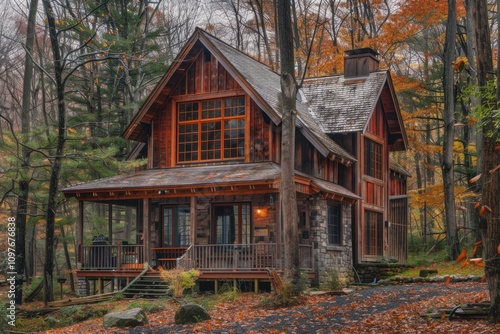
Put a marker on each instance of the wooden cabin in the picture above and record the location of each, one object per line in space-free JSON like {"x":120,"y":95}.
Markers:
{"x":209,"y":196}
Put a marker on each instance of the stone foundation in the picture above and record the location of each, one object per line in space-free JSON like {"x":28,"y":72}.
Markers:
{"x":374,"y":272}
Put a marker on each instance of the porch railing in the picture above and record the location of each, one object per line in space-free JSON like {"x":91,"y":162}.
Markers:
{"x":247,"y":257}
{"x":112,"y":257}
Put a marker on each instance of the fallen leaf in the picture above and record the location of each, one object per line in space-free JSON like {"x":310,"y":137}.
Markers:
{"x":476,"y":205}
{"x":462,"y":256}
{"x":498,"y":249}
{"x":483,"y":279}
{"x":475,"y":178}
{"x":447,"y":280}
{"x":494,"y":169}
{"x":465,"y":263}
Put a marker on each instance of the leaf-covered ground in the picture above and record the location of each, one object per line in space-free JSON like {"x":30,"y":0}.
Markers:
{"x":381,"y":309}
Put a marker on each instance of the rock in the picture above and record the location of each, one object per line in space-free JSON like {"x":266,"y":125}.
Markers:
{"x":129,"y":318}
{"x":190,"y":313}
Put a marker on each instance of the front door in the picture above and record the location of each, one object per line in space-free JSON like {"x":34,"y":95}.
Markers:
{"x":232,"y":223}
{"x":176,"y":226}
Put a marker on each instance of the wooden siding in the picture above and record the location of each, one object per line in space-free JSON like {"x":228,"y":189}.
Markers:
{"x":374,"y":190}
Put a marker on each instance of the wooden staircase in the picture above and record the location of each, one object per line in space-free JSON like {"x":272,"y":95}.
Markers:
{"x":149,"y":285}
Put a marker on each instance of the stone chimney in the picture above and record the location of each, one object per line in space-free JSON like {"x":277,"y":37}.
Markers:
{"x":360,"y":62}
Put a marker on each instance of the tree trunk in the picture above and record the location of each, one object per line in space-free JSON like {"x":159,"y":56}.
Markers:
{"x":57,"y":157}
{"x":288,"y":103}
{"x":490,"y":182}
{"x":449,"y":131}
{"x":23,"y":196}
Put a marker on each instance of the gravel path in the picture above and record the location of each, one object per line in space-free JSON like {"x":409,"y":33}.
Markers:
{"x":328,"y":314}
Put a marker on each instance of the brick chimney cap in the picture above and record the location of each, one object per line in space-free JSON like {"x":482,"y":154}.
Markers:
{"x":362,"y":51}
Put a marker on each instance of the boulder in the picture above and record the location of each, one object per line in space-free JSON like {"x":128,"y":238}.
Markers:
{"x":129,"y":318}
{"x":190,"y":313}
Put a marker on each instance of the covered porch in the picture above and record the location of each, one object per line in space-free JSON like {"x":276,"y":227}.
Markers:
{"x":222,"y":220}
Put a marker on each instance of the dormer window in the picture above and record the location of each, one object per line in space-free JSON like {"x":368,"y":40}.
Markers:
{"x":211,"y":130}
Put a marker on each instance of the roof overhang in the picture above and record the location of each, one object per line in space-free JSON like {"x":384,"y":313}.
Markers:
{"x":256,"y":178}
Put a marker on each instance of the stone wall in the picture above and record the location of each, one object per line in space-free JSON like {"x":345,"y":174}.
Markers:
{"x":330,"y":259}
{"x":374,"y":272}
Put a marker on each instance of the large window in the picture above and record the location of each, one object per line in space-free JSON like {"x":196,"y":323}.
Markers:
{"x":373,"y":233}
{"x":334,"y":225}
{"x":176,"y":226}
{"x":232,"y":224}
{"x":373,"y":159}
{"x":211,"y":130}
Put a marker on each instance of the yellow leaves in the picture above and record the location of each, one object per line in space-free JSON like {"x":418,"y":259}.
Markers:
{"x":71,"y":130}
{"x":462,"y":256}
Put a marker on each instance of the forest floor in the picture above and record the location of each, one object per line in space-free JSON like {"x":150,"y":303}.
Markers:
{"x":377,"y":309}
{"x":393,"y":308}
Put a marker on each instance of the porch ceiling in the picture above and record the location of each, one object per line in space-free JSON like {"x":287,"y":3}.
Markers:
{"x":237,"y":179}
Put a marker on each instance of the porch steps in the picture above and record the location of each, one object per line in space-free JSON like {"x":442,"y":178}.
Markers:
{"x":147,"y":286}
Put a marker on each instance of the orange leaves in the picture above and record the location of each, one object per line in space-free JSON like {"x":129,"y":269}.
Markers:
{"x":475,"y":178}
{"x":495,"y":169}
{"x":462,"y":256}
{"x":460,"y":63}
{"x":476,"y":205}
{"x":464,"y":264}
{"x":474,"y":250}
{"x":483,"y":279}
{"x":484,"y":208}
{"x":447,"y":280}
{"x":498,"y":249}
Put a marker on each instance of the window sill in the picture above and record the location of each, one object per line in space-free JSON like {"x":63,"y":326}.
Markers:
{"x":335,"y":248}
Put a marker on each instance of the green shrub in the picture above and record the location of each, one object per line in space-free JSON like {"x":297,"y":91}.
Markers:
{"x":333,"y":281}
{"x":180,"y":280}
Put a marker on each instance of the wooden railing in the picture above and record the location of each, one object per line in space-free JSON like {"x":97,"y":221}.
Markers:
{"x":247,"y":257}
{"x":112,"y":257}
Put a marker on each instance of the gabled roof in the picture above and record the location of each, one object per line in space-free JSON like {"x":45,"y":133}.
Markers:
{"x":343,"y":105}
{"x":257,"y":79}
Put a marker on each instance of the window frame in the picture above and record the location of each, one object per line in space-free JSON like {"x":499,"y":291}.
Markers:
{"x":373,"y":245}
{"x":373,"y":154}
{"x":238,"y":230}
{"x":176,"y":239}
{"x":231,"y":122}
{"x":334,"y":224}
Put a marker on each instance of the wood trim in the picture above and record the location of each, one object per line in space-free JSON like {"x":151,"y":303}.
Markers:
{"x":173,"y":136}
{"x":208,"y":96}
{"x":248,"y":117}
{"x":145,"y":228}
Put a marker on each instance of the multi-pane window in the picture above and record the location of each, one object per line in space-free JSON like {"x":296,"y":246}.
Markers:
{"x":373,"y":159}
{"x":334,"y":225}
{"x":211,"y":130}
{"x":232,"y":224}
{"x":373,"y":233}
{"x":176,"y":226}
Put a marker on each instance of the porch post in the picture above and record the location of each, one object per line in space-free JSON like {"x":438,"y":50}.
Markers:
{"x":279,"y":230}
{"x":80,"y":233}
{"x":192,"y":237}
{"x":145,"y":228}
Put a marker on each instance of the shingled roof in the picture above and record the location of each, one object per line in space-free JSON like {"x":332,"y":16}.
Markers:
{"x":344,"y":105}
